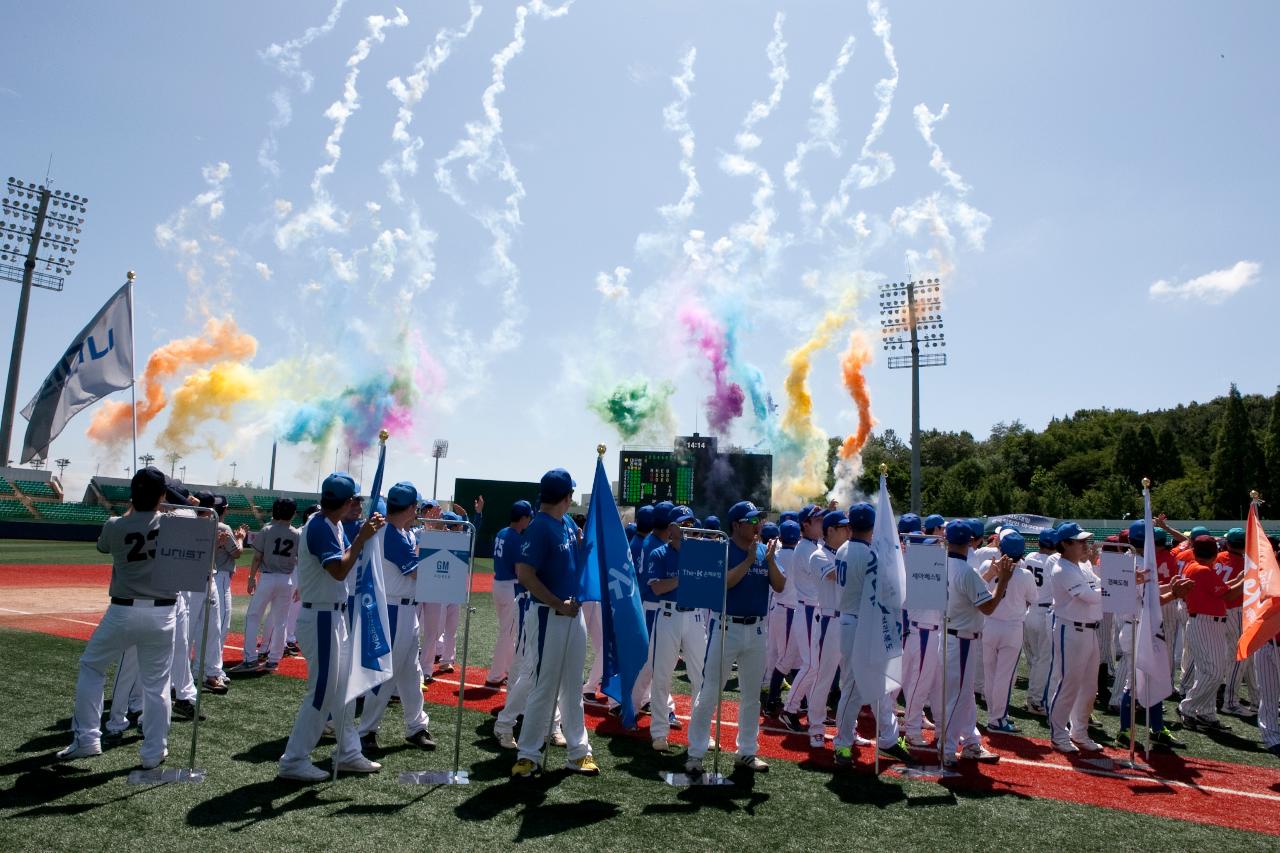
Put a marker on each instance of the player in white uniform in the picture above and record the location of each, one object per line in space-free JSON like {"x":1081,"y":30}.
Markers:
{"x":855,"y":563}
{"x":229,"y":546}
{"x":784,"y":653}
{"x":1077,"y":614}
{"x":984,"y":532}
{"x":806,"y":590}
{"x":139,"y":615}
{"x":1037,"y":639}
{"x":504,"y":597}
{"x":968,"y":603}
{"x":400,"y":575}
{"x":275,"y":552}
{"x":324,"y":563}
{"x":921,"y":649}
{"x":1002,"y":631}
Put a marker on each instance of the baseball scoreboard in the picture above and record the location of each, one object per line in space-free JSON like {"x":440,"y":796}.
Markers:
{"x":694,"y":473}
{"x":654,"y":475}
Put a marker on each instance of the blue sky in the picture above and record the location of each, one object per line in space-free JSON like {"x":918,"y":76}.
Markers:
{"x":1115,"y":149}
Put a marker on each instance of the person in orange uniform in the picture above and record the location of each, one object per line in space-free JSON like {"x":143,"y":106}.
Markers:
{"x":1207,"y":637}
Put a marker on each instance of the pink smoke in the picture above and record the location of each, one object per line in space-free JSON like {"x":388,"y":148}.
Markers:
{"x":708,"y":335}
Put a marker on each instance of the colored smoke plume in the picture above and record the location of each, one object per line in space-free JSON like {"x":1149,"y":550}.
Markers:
{"x":708,"y":336}
{"x":852,"y":364}
{"x":633,"y":407}
{"x":208,"y":395}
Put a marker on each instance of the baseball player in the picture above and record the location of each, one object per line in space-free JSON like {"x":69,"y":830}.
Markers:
{"x":749,"y":574}
{"x":1230,"y":565}
{"x":229,"y":546}
{"x":400,"y":565}
{"x":969,"y":602}
{"x":504,"y":592}
{"x":198,"y":602}
{"x":1182,"y":552}
{"x":434,"y":618}
{"x":921,"y":652}
{"x":1173,"y":613}
{"x":275,"y":553}
{"x":676,"y":632}
{"x":806,"y":592}
{"x":1266,"y":668}
{"x":1003,"y":629}
{"x":291,"y":649}
{"x":660,"y":519}
{"x":139,"y":615}
{"x":325,"y":562}
{"x":784,"y":652}
{"x":548,"y":568}
{"x":1037,"y":636}
{"x":1208,"y":634}
{"x":1077,"y":614}
{"x":856,"y":563}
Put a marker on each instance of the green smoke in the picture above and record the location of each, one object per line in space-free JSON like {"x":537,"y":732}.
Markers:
{"x":633,"y":406}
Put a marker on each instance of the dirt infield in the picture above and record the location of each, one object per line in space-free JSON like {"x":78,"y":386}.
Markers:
{"x":1178,"y":786}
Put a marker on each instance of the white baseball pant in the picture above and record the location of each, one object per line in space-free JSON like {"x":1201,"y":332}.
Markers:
{"x":431,"y":618}
{"x":448,"y":648}
{"x":591,"y":612}
{"x":406,"y":674}
{"x":846,"y":627}
{"x":560,"y":652}
{"x":1073,"y":681}
{"x":520,"y":683}
{"x":126,"y":692}
{"x":744,"y":644}
{"x":1209,"y":645}
{"x":214,"y":659}
{"x":199,"y":602}
{"x":180,"y":679}
{"x":1172,"y":619}
{"x":325,"y":642}
{"x":1001,"y":648}
{"x":150,"y":630}
{"x":640,"y":693}
{"x":784,"y":641}
{"x":272,"y":598}
{"x":921,"y":671}
{"x":675,"y":633}
{"x":1266,"y":668}
{"x":1239,"y":672}
{"x":825,"y":649}
{"x":961,"y":723}
{"x":808,"y":673}
{"x":504,"y":603}
{"x":1037,"y":645}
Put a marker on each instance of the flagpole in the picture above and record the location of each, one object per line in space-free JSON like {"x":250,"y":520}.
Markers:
{"x":133,"y":370}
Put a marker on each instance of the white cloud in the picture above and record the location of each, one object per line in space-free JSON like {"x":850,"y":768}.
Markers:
{"x":1212,"y":287}
{"x":263,"y":270}
{"x":613,"y":286}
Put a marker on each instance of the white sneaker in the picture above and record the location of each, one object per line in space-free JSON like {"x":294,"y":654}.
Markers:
{"x":660,"y":744}
{"x":1088,"y":744}
{"x":328,"y":728}
{"x":506,"y":740}
{"x":859,"y":740}
{"x":977,"y":752}
{"x":557,"y":738}
{"x":80,"y":750}
{"x":927,"y":724}
{"x":358,"y":764}
{"x":153,"y":763}
{"x":1065,"y":747}
{"x":918,"y":741}
{"x":817,"y":741}
{"x":302,"y":773}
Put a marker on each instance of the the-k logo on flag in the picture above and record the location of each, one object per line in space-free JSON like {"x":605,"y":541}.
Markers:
{"x":373,"y":638}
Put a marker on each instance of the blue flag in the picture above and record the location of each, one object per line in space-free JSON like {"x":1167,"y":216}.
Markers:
{"x":609,"y":576}
{"x":371,"y":650}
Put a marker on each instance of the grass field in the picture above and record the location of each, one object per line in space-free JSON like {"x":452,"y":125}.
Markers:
{"x":45,"y":804}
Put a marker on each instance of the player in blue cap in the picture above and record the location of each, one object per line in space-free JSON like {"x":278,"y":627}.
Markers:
{"x":548,"y":568}
{"x":1037,"y":640}
{"x":1077,"y":615}
{"x":784,"y":654}
{"x":750,"y":573}
{"x":325,"y":565}
{"x":932,"y":525}
{"x":506,"y":546}
{"x":659,"y":520}
{"x":909,"y":522}
{"x":711,"y":522}
{"x":400,"y":577}
{"x":1003,"y":629}
{"x":806,"y":590}
{"x":275,"y":552}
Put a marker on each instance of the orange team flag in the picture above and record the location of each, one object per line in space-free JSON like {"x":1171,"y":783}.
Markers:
{"x":1261,"y":611}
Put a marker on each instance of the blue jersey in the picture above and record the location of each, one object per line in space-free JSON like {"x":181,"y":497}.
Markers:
{"x":505,"y":550}
{"x":400,"y":549}
{"x":636,"y":544}
{"x":647,"y":547}
{"x":663,"y":564}
{"x":751,"y":596}
{"x":551,"y":548}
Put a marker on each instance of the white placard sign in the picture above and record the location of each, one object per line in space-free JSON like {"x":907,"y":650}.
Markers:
{"x":926,"y":576}
{"x":1119,"y":583}
{"x":444,"y":566}
{"x":184,"y":553}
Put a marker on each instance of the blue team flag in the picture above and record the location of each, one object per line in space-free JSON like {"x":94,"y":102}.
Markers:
{"x":371,"y":650}
{"x":609,"y":576}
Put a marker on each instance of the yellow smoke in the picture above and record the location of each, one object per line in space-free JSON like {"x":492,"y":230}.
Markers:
{"x":209,"y":395}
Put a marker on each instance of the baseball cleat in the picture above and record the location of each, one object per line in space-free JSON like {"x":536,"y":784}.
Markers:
{"x":80,"y":750}
{"x":674,"y":721}
{"x":1214,"y":725}
{"x":369,"y":742}
{"x":976,"y":752}
{"x":791,"y":721}
{"x":447,"y":668}
{"x":1035,"y":708}
{"x":644,"y":709}
{"x":303,"y":773}
{"x":1087,"y":744}
{"x":1004,"y":726}
{"x":185,"y":709}
{"x":493,"y":684}
{"x":859,"y":740}
{"x":660,"y":744}
{"x":897,"y":752}
{"x":918,"y":742}
{"x":585,"y":766}
{"x":1066,"y":747}
{"x":1164,"y":737}
{"x":949,"y":761}
{"x":358,"y":764}
{"x":421,"y":739}
{"x":153,"y":763}
{"x":248,"y":665}
{"x":843,"y":757}
{"x":525,"y":769}
{"x":693,"y":767}
{"x":752,"y":763}
{"x":506,"y":740}
{"x":271,"y":666}
{"x":817,"y":741}
{"x":292,"y":650}
{"x":557,"y":738}
{"x":927,"y":724}
{"x":215,"y":685}
{"x":132,"y":717}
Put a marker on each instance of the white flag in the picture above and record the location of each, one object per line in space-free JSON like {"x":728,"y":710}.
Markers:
{"x":877,"y":643}
{"x":370,"y":641}
{"x":98,"y":362}
{"x":1155,"y":683}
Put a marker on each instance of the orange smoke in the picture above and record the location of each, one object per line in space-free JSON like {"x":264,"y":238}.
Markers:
{"x":220,"y":340}
{"x":853,"y":361}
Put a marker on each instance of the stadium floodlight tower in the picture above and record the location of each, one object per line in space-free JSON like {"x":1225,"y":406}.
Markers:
{"x":439,"y":450}
{"x":38,"y":226}
{"x":911,"y":317}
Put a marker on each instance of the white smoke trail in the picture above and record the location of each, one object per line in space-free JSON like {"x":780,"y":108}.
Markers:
{"x":824,"y":124}
{"x":925,"y":121}
{"x":675,"y":117}
{"x":872,"y":167}
{"x":204,"y":257}
{"x":287,"y":58}
{"x":323,"y":214}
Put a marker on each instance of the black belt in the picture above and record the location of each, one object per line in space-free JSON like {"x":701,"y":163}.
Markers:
{"x":744,"y":620}
{"x":923,"y":626}
{"x":1207,"y":616}
{"x":324,"y":606}
{"x":1050,"y":604}
{"x":667,"y":605}
{"x":143,"y":602}
{"x":405,"y":602}
{"x":953,"y":632}
{"x":680,"y":609}
{"x":1090,"y":625}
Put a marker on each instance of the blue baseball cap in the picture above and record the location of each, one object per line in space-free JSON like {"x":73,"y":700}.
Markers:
{"x":681,"y":514}
{"x":1137,"y":533}
{"x":835,"y":518}
{"x":380,"y":507}
{"x":769,"y":531}
{"x":429,"y":503}
{"x":977,"y":526}
{"x":644,"y":519}
{"x":959,"y":532}
{"x":1048,"y":537}
{"x":789,"y":532}
{"x":711,"y":523}
{"x":450,"y":516}
{"x":862,"y":516}
{"x":789,"y":515}
{"x":662,"y":514}
{"x":631,"y":528}
{"x":932,"y":521}
{"x":339,"y":486}
{"x":807,"y":513}
{"x":402,"y":496}
{"x":1071,"y":530}
{"x":742,"y":511}
{"x":1198,"y":530}
{"x":1235,"y":537}
{"x":556,"y":485}
{"x":1012,"y":544}
{"x":521,"y":509}
{"x":909,"y":522}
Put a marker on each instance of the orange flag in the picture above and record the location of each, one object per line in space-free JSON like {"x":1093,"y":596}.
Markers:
{"x":1261,"y":611}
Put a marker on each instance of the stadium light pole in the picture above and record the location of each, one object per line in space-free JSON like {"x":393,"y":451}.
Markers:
{"x":439,"y":451}
{"x":911,"y":317}
{"x":37,"y":225}
{"x":62,"y":466}
{"x":233,"y":473}
{"x":146,"y":459}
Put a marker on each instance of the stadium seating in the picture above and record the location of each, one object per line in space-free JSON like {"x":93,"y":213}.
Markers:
{"x":36,"y":489}
{"x":264,"y":502}
{"x":14,"y":510}
{"x":235,"y":519}
{"x":5,"y":487}
{"x":73,"y":513}
{"x":236,"y":500}
{"x":115,"y":494}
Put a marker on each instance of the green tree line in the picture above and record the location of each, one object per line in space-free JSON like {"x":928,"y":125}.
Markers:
{"x":1203,"y":460}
